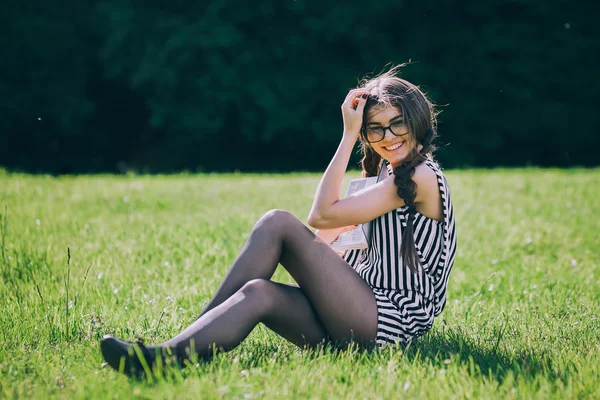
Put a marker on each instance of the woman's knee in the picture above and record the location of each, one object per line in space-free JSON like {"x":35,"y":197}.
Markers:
{"x":261,"y":293}
{"x":276,"y":222}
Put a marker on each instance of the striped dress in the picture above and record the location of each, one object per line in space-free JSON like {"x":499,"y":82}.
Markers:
{"x":407,"y":302}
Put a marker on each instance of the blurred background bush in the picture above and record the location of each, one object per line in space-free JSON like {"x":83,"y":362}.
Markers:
{"x":223,"y":85}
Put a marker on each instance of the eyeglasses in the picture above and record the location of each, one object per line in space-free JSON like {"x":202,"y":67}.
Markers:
{"x":377,"y":133}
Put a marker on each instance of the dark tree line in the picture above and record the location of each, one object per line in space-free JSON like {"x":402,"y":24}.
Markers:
{"x":254,"y":86}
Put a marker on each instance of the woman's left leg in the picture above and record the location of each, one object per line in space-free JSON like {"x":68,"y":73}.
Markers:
{"x":342,"y":301}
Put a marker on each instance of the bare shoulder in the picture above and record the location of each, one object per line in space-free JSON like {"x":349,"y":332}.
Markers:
{"x":427,"y":183}
{"x":425,"y":176}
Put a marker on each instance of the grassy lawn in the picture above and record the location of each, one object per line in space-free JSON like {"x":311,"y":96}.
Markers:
{"x":147,"y":252}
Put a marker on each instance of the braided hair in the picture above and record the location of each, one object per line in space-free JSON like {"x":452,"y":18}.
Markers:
{"x":388,"y":90}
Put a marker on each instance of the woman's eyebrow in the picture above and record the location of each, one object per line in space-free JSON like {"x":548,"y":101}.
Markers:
{"x":391,"y":120}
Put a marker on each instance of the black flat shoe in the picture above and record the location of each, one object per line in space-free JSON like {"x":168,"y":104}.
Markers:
{"x":115,"y":350}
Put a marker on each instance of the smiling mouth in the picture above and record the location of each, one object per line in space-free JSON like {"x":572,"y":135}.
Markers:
{"x":394,"y":147}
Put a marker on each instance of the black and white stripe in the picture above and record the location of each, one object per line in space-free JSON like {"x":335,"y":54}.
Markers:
{"x":408,"y":301}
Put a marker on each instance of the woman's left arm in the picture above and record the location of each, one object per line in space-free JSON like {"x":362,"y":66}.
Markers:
{"x":372,"y":202}
{"x":377,"y":200}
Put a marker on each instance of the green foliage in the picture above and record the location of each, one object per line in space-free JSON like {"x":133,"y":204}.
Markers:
{"x":44,"y":65}
{"x":521,"y":319}
{"x":218,"y":85}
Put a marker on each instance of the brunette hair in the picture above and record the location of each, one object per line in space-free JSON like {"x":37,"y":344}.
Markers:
{"x":386,"y":90}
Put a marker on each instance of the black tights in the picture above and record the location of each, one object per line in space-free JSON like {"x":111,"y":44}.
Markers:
{"x":332,"y":300}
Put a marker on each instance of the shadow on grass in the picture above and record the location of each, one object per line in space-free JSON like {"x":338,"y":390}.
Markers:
{"x":440,"y":348}
{"x":454,"y":346}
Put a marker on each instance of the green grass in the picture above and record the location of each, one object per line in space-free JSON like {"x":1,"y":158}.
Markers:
{"x":522,"y":319}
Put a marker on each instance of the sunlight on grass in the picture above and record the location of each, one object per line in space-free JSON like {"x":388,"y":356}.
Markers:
{"x":147,"y":252}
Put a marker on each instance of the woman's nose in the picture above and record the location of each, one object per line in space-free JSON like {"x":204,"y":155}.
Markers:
{"x":387,"y":133}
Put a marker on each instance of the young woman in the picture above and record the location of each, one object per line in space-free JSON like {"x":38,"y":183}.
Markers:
{"x":389,"y":293}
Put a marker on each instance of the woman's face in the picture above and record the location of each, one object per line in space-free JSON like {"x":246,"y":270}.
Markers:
{"x":393,"y":148}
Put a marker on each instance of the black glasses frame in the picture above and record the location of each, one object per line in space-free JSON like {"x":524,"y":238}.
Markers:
{"x":383,"y":136}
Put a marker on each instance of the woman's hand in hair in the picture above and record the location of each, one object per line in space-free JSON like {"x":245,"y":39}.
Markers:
{"x":329,"y":235}
{"x":352,"y":112}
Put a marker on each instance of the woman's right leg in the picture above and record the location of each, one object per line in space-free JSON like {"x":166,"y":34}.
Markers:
{"x":293,"y":317}
{"x":342,"y":300}
{"x":333,"y":295}
{"x":283,"y":308}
